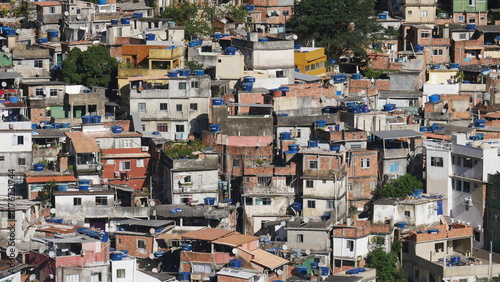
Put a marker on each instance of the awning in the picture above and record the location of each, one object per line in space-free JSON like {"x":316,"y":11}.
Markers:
{"x":267,"y":259}
{"x":394,"y":134}
{"x":235,"y":240}
{"x":85,"y":145}
{"x":44,"y":179}
{"x":474,"y":48}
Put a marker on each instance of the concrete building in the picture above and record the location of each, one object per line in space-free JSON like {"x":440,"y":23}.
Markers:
{"x":413,"y":211}
{"x":470,"y":12}
{"x":310,"y":60}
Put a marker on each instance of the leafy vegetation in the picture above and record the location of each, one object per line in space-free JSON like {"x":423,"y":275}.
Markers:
{"x":371,"y":73}
{"x":193,"y":65}
{"x":183,"y":150}
{"x":46,"y":194}
{"x":198,"y":18}
{"x":400,"y":187}
{"x":340,"y":26}
{"x":93,"y":67}
{"x":386,"y":264}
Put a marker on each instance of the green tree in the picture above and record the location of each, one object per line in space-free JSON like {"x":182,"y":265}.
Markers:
{"x":45,"y":196}
{"x":340,"y":26}
{"x":93,"y":67}
{"x":400,"y":187}
{"x":386,"y":264}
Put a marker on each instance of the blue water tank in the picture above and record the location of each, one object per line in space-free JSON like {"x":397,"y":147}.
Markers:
{"x":137,"y":15}
{"x":125,"y":252}
{"x":312,"y":143}
{"x":479,"y":122}
{"x":249,"y":7}
{"x":356,"y":76}
{"x":184,"y":72}
{"x":325,"y":271}
{"x":115,"y":256}
{"x":159,"y":254}
{"x":314,"y":265}
{"x":382,"y":16}
{"x":471,"y":26}
{"x":199,"y":72}
{"x":38,"y":167}
{"x":173,"y":73}
{"x":56,"y":125}
{"x":217,"y":35}
{"x":58,"y":220}
{"x":9,"y":32}
{"x":302,"y":270}
{"x":284,"y":89}
{"x":217,"y":101}
{"x":320,"y":123}
{"x":434,"y":98}
{"x":329,"y":110}
{"x":419,"y":48}
{"x":297,"y":206}
{"x":101,"y":2}
{"x":401,"y":224}
{"x":285,"y":136}
{"x":235,"y":263}
{"x":231,"y":51}
{"x":62,"y":188}
{"x":53,"y":33}
{"x":125,"y":20}
{"x":86,"y":119}
{"x":187,"y":247}
{"x":334,"y":148}
{"x":65,"y":125}
{"x":116,"y":129}
{"x":418,"y":192}
{"x":214,"y":127}
{"x":209,"y":201}
{"x":263,"y":39}
{"x":150,"y":36}
{"x":247,"y":86}
{"x":297,"y":46}
{"x":13,"y":99}
{"x":294,"y":147}
{"x":184,"y":276}
{"x":249,"y":79}
{"x":454,"y":66}
{"x":389,"y":107}
{"x":114,"y":22}
{"x":332,"y":61}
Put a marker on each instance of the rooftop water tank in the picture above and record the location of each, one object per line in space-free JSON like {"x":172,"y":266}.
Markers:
{"x":116,"y":129}
{"x":217,"y":101}
{"x":312,"y":143}
{"x":231,"y":51}
{"x":150,"y":36}
{"x":285,"y":136}
{"x":235,"y":263}
{"x":125,"y":20}
{"x":214,"y":127}
{"x":38,"y":167}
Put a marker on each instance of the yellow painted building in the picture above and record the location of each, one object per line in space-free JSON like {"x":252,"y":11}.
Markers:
{"x":310,"y":60}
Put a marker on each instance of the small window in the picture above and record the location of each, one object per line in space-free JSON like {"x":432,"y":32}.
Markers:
{"x":493,"y":194}
{"x":48,"y":113}
{"x":313,"y":164}
{"x":410,"y":13}
{"x":162,"y":127}
{"x":280,"y":74}
{"x":179,"y":128}
{"x":477,"y":236}
{"x":2,"y":158}
{"x":126,"y":143}
{"x":38,"y":64}
{"x":96,"y":277}
{"x":300,"y":238}
{"x":330,"y":204}
{"x":309,"y":184}
{"x":19,"y":140}
{"x":466,"y":186}
{"x":468,"y":162}
{"x":120,"y":273}
{"x":182,"y":86}
{"x":53,"y":92}
{"x":77,"y":201}
{"x":436,"y":161}
{"x":350,"y":245}
{"x":472,"y":20}
{"x":458,"y":161}
{"x":262,"y":201}
{"x":424,"y":34}
{"x":39,"y":92}
{"x":311,"y":204}
{"x":349,"y":186}
{"x":365,"y":163}
{"x":141,"y":244}
{"x":458,"y":185}
{"x":407,"y":213}
{"x":141,"y":107}
{"x":164,"y":107}
{"x":248,"y":201}
{"x":394,"y":167}
{"x":439,"y":247}
{"x":101,"y":201}
{"x":195,"y":84}
{"x":373,"y":184}
{"x":52,"y":10}
{"x":139,"y":163}
{"x":461,"y":19}
{"x":125,"y":165}
{"x":423,"y":13}
{"x":437,"y":52}
{"x":21,"y":161}
{"x":193,"y":106}
{"x":178,"y":107}
{"x":236,"y":162}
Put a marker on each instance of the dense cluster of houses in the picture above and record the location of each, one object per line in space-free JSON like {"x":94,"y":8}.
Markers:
{"x":261,"y":164}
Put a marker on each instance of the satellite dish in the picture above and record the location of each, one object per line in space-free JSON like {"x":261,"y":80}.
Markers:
{"x":295,"y":37}
{"x":154,"y":270}
{"x":66,"y":13}
{"x":362,"y":92}
{"x":234,"y":251}
{"x":99,"y":167}
{"x":73,"y":222}
{"x":152,"y":203}
{"x":32,"y":277}
{"x":181,"y":181}
{"x":238,"y":204}
{"x":283,"y":223}
{"x":151,"y":256}
{"x":152,"y":231}
{"x":284,"y":247}
{"x":42,"y":124}
{"x":479,"y":56}
{"x":52,"y":254}
{"x":78,"y":17}
{"x":42,"y":249}
{"x":4,"y":84}
{"x":306,"y":219}
{"x":279,"y":272}
{"x":105,"y":181}
{"x":270,"y":13}
{"x":52,"y":210}
{"x":308,"y":252}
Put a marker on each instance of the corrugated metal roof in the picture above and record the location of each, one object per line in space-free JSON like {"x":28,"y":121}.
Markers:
{"x":47,"y":133}
{"x":392,"y":134}
{"x":236,"y":273}
{"x":47,"y":3}
{"x":207,"y":234}
{"x":147,"y":223}
{"x":267,"y":259}
{"x":85,"y":145}
{"x":236,"y":240}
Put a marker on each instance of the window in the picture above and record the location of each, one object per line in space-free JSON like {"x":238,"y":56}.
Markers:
{"x":410,"y":12}
{"x":52,"y":10}
{"x":330,"y":204}
{"x":458,"y":160}
{"x":349,"y":186}
{"x":248,"y":201}
{"x":477,"y":236}
{"x":472,"y":2}
{"x":436,"y":161}
{"x":21,"y":161}
{"x":72,"y":278}
{"x":179,"y":128}
{"x":280,"y":74}
{"x":309,"y":184}
{"x":497,"y":218}
{"x":139,"y":163}
{"x":193,"y":106}
{"x":178,"y":107}
{"x":394,"y":167}
{"x":417,"y":274}
{"x":162,"y":127}
{"x":120,"y":273}
{"x":48,"y":113}
{"x":458,"y":185}
{"x":300,"y":238}
{"x":373,"y":184}
{"x":164,"y":107}
{"x":439,"y":247}
{"x":493,"y":194}
{"x":96,"y":277}
{"x":466,"y":186}
{"x":437,"y":52}
{"x":311,"y":204}
{"x":467,"y":162}
{"x":472,"y":20}
{"x":39,"y":92}
{"x":365,"y":163}
{"x":141,"y":244}
{"x":313,"y":164}
{"x":461,"y":19}
{"x":125,"y":165}
{"x":2,"y":158}
{"x":350,"y":245}
{"x":423,"y":14}
{"x":18,"y":140}
{"x":53,"y":92}
{"x":127,"y":143}
{"x":236,"y":162}
{"x":424,"y":34}
{"x":101,"y":201}
{"x":264,"y":181}
{"x":38,"y":64}
{"x":407,"y":213}
{"x":195,"y":84}
{"x":141,"y":107}
{"x":182,"y":86}
{"x":262,"y":201}
{"x":77,"y":201}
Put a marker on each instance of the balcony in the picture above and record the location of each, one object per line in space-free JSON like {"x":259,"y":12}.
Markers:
{"x":269,"y":190}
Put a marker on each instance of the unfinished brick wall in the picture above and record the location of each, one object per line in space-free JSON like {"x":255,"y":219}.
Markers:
{"x":129,"y":242}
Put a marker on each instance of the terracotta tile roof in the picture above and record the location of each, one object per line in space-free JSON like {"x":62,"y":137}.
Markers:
{"x":42,"y":179}
{"x":57,"y":228}
{"x":47,"y":3}
{"x":169,"y":236}
{"x":207,"y":234}
{"x":249,"y":141}
{"x":236,"y":240}
{"x":85,"y":145}
{"x":267,"y":259}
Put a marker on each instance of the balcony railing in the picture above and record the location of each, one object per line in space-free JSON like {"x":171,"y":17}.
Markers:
{"x":268,"y":190}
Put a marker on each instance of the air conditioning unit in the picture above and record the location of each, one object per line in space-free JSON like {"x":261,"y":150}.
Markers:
{"x":144,"y":148}
{"x":117,"y":174}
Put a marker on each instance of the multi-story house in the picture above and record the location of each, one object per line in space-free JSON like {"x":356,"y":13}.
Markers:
{"x":492,"y":213}
{"x":45,"y":100}
{"x":32,"y":61}
{"x":310,"y":60}
{"x":470,"y":12}
{"x":48,"y":15}
{"x":175,"y":106}
{"x":273,"y":14}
